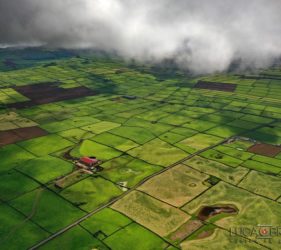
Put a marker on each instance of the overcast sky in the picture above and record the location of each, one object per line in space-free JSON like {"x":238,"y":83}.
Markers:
{"x":202,"y":35}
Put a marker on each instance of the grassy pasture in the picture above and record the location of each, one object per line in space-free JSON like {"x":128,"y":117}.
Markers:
{"x":156,"y":129}
{"x":176,"y":186}
{"x":236,"y":153}
{"x":13,"y":224}
{"x":127,"y":170}
{"x":262,"y":167}
{"x":198,"y":142}
{"x":117,"y":142}
{"x":222,"y":171}
{"x":12,"y":156}
{"x":151,"y":213}
{"x":262,"y":184}
{"x":45,"y":145}
{"x":91,"y":148}
{"x":220,"y":157}
{"x":75,"y":238}
{"x":75,"y":134}
{"x":225,"y":131}
{"x":91,"y":192}
{"x":12,"y":120}
{"x":171,"y":137}
{"x":13,"y":184}
{"x":129,"y":238}
{"x":41,"y":205}
{"x":46,"y":168}
{"x":158,"y":152}
{"x":105,"y":223}
{"x":136,"y":134}
{"x":186,"y":132}
{"x":101,"y":127}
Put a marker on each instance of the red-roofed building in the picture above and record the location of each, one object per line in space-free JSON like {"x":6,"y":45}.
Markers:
{"x":88,"y":162}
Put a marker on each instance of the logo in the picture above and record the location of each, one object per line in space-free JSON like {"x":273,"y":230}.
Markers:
{"x":267,"y":233}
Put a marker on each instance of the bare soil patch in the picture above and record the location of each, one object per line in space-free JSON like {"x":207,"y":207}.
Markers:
{"x":7,"y":137}
{"x":44,"y":93}
{"x":30,"y":132}
{"x":205,"y":234}
{"x":186,"y":229}
{"x":21,"y":105}
{"x":227,"y":87}
{"x":265,"y":149}
{"x":20,"y":134}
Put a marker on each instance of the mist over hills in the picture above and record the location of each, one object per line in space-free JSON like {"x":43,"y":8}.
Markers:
{"x":199,"y":35}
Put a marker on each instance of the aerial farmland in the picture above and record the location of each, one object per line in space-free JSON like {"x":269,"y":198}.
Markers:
{"x":99,"y":153}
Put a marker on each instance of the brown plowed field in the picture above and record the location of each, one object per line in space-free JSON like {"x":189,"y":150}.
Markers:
{"x":44,"y":93}
{"x":265,"y":149}
{"x":227,"y":87}
{"x":186,"y":229}
{"x":20,"y":134}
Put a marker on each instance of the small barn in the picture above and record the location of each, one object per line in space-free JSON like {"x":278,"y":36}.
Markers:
{"x":88,"y":163}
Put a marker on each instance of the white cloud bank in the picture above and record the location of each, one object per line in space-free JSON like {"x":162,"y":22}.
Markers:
{"x":201,"y":35}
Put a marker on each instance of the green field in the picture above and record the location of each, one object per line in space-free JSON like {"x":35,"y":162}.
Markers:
{"x":12,"y":224}
{"x":128,"y":238}
{"x":40,"y":206}
{"x":90,"y":193}
{"x":76,"y":238}
{"x":158,"y":152}
{"x":127,"y":170}
{"x":45,"y":169}
{"x":105,"y":223}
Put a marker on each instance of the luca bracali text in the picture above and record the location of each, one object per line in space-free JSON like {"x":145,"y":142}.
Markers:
{"x":266,"y":234}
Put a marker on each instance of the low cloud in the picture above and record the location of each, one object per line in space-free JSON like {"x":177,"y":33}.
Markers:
{"x":200,"y":35}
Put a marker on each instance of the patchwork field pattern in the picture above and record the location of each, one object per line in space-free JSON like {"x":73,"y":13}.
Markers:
{"x":169,"y":147}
